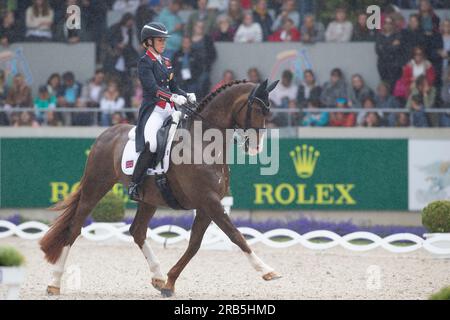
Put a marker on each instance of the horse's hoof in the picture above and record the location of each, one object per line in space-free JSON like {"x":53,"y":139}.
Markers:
{"x":158,"y":284}
{"x":167,"y":293}
{"x":271,"y":276}
{"x":53,"y":291}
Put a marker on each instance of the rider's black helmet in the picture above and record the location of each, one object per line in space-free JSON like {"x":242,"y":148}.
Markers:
{"x":154,"y":30}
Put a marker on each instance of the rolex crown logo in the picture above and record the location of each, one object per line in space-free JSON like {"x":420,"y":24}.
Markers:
{"x":305,"y":159}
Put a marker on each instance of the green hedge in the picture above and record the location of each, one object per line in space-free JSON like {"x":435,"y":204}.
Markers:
{"x":110,"y":209}
{"x":436,"y":217}
{"x":443,"y":294}
{"x":10,"y":257}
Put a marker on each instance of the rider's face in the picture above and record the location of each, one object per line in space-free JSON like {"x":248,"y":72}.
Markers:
{"x":160,"y":44}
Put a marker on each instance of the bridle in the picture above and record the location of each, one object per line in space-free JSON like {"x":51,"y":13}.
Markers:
{"x":265,"y":107}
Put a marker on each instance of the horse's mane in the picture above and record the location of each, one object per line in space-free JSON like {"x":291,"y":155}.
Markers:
{"x":213,"y":94}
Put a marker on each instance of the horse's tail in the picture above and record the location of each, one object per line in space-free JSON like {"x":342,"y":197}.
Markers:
{"x":59,"y":235}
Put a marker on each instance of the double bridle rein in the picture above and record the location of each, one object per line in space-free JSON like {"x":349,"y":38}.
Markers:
{"x":249,"y":104}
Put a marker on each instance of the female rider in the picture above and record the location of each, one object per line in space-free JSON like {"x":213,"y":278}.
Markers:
{"x":161,"y":94}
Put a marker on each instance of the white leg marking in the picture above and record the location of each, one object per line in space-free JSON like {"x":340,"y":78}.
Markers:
{"x":152,"y":260}
{"x":258,"y":264}
{"x":58,"y":268}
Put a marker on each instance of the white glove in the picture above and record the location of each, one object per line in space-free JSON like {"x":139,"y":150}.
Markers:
{"x":178,"y":100}
{"x":192,"y":98}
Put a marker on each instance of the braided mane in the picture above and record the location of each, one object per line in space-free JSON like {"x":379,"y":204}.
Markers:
{"x":213,"y":94}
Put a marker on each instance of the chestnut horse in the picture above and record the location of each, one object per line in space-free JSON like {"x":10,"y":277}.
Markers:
{"x":239,"y":104}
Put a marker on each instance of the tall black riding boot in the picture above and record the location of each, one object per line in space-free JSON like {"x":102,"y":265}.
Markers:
{"x":139,"y":173}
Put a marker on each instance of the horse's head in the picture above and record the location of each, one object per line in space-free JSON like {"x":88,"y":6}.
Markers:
{"x":251,"y":117}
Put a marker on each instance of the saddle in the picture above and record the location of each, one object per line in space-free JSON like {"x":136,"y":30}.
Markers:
{"x":164,"y":139}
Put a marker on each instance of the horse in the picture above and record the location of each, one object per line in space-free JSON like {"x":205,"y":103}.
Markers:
{"x":239,"y":104}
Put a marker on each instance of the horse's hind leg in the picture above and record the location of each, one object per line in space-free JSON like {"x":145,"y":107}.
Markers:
{"x":201,"y":223}
{"x":138,"y":230}
{"x":96,"y":182}
{"x":216,"y":211}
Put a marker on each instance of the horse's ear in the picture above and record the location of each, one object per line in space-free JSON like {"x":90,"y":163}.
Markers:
{"x":261,"y":89}
{"x":272,"y":86}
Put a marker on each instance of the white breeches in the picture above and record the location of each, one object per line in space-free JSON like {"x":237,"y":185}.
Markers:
{"x":154,"y":123}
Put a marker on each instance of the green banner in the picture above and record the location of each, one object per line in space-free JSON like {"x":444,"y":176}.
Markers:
{"x":326,"y":174}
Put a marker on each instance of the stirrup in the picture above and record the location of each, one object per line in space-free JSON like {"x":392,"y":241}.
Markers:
{"x":133,"y":191}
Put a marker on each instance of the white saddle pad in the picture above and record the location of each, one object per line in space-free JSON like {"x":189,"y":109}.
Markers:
{"x":130,"y":156}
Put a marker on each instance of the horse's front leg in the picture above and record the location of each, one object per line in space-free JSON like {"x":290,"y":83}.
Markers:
{"x":201,"y":223}
{"x":138,"y":230}
{"x":217,"y":213}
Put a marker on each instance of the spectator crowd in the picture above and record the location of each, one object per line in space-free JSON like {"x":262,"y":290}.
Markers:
{"x":413,"y":57}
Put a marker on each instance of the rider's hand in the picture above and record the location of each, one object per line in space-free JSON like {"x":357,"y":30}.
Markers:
{"x":192,"y":98}
{"x":178,"y":99}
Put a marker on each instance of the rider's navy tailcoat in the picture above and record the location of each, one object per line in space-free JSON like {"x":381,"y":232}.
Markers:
{"x":158,"y":85}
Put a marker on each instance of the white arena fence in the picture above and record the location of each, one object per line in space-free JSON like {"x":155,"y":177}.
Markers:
{"x":216,"y":239}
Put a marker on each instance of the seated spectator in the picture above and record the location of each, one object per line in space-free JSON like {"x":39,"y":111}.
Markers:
{"x":223,"y":32}
{"x":360,"y":31}
{"x":25,"y":119}
{"x":54,"y":84}
{"x":311,"y":30}
{"x":53,"y":120}
{"x":388,"y":47}
{"x":235,"y":13}
{"x":315,"y":118}
{"x":72,"y":36}
{"x":339,"y":30}
{"x":402,"y":120}
{"x":342,"y":119}
{"x":126,"y":5}
{"x":417,"y":67}
{"x":308,"y":90}
{"x":217,"y":5}
{"x":118,"y":118}
{"x":203,"y":45}
{"x":227,"y":77}
{"x":248,"y":31}
{"x":384,"y":100}
{"x":137,"y":98}
{"x":171,"y":19}
{"x":429,"y":20}
{"x":68,"y":96}
{"x":39,"y":21}
{"x":93,"y":90}
{"x":3,"y":87}
{"x":144,"y":14}
{"x":427,"y":94}
{"x":289,"y":10}
{"x":208,"y":17}
{"x":19,"y":95}
{"x":358,"y":92}
{"x":110,"y":103}
{"x":188,"y":68}
{"x":372,"y":119}
{"x":42,"y":103}
{"x":444,"y":120}
{"x":419,"y":117}
{"x":120,"y":54}
{"x":367,"y":104}
{"x":4,"y":121}
{"x":262,"y":16}
{"x":412,"y":37}
{"x":253,"y":75}
{"x":445,"y":51}
{"x":334,"y":89}
{"x":284,"y":96}
{"x":287,"y":33}
{"x":9,"y":31}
